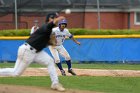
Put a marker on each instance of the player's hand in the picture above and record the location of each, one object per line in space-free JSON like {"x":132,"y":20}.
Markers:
{"x":58,"y":19}
{"x":78,"y":43}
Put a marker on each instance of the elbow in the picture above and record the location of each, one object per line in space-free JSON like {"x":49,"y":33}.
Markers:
{"x":71,"y":36}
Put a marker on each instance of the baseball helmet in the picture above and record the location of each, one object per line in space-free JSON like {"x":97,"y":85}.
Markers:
{"x":51,"y":15}
{"x":64,"y":21}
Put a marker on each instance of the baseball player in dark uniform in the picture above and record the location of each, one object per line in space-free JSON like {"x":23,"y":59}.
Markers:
{"x":32,"y":51}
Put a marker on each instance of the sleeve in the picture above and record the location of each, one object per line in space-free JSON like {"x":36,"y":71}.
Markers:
{"x":53,"y":31}
{"x":32,"y":30}
{"x":50,"y":25}
{"x":68,"y":34}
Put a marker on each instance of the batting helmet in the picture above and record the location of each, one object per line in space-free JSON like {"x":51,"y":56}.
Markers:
{"x":64,"y":21}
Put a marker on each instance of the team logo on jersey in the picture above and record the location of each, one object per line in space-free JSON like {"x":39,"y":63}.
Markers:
{"x":57,"y":36}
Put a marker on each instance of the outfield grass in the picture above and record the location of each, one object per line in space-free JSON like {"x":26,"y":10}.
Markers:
{"x":87,"y":66}
{"x":100,"y":84}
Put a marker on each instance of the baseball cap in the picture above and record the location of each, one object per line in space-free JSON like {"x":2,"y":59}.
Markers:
{"x":51,"y":15}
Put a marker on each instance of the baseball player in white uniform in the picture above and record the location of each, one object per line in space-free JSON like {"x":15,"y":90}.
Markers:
{"x":32,"y":51}
{"x":61,"y":32}
{"x":35,"y":27}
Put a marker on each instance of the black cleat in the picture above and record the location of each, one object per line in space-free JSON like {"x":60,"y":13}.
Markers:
{"x":63,"y":73}
{"x":72,"y":72}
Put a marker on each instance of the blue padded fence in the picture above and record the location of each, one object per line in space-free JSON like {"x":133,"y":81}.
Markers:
{"x":93,"y":49}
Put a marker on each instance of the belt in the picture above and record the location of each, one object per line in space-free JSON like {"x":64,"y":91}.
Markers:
{"x":31,"y":48}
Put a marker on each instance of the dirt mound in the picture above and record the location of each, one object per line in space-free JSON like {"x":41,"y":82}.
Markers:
{"x":85,"y":72}
{"x":29,"y":89}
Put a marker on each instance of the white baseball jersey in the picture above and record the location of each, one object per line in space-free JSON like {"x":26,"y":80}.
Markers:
{"x":33,"y":29}
{"x":58,"y":48}
{"x":61,"y":35}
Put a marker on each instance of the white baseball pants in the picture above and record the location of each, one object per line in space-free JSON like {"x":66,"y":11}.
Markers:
{"x":25,"y":57}
{"x":56,"y":50}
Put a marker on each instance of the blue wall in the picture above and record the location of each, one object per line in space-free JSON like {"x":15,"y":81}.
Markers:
{"x":114,"y":49}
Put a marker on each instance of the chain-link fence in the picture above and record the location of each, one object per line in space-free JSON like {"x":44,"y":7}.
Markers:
{"x":85,"y":13}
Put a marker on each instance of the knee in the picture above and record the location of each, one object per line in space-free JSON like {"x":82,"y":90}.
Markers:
{"x":68,"y":58}
{"x":50,"y":62}
{"x":57,"y":61}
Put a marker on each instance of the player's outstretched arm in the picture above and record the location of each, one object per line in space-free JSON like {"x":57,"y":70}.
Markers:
{"x":55,"y":21}
{"x":77,"y":42}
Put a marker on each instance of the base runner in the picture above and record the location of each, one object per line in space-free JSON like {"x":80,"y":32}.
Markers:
{"x":60,"y":33}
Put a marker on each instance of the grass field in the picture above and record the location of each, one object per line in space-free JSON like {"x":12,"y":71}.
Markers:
{"x":87,"y":66}
{"x":100,"y":84}
{"x":93,"y":83}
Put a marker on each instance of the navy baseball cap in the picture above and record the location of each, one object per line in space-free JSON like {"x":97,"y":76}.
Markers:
{"x":51,"y":15}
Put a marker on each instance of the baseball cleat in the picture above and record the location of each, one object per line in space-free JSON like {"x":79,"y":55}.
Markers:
{"x":57,"y":86}
{"x":72,"y":72}
{"x":63,"y":73}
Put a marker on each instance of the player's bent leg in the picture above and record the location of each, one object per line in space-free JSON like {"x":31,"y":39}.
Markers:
{"x":23,"y":60}
{"x":20,"y":67}
{"x":63,"y":52}
{"x":55,"y":55}
{"x":59,"y":65}
{"x":13,"y":71}
{"x":16,"y":71}
{"x":55,"y":83}
{"x":70,"y":70}
{"x":68,"y":61}
{"x":6,"y":71}
{"x":44,"y":59}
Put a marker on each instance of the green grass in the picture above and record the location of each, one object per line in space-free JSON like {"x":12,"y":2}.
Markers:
{"x":100,"y":84}
{"x":87,"y":66}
